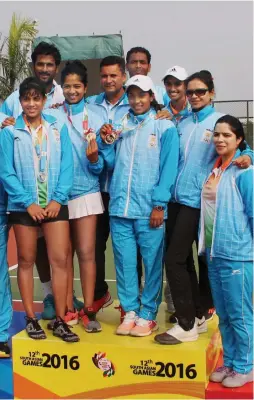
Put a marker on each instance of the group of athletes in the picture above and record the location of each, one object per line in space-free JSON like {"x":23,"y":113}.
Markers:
{"x":157,"y":168}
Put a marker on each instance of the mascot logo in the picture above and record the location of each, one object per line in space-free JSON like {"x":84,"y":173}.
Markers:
{"x":106,"y":366}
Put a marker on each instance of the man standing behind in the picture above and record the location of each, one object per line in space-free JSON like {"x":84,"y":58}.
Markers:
{"x":46,"y":59}
{"x":112,"y":104}
{"x":138,"y":62}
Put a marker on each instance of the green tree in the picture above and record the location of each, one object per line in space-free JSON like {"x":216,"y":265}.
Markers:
{"x":14,"y":50}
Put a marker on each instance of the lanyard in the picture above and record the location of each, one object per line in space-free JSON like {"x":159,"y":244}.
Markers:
{"x":39,"y":137}
{"x":86,"y":130}
{"x":126,"y":118}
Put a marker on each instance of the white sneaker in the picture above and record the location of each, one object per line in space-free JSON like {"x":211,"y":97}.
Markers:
{"x":128,"y":323}
{"x":177,"y":335}
{"x":235,"y":379}
{"x":201,"y":325}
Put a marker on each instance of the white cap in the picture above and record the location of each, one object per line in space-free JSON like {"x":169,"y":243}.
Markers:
{"x":144,"y":82}
{"x":178,"y":72}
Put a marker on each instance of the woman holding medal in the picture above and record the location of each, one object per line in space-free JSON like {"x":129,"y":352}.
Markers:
{"x":37,"y":173}
{"x":144,"y":157}
{"x":85,"y":201}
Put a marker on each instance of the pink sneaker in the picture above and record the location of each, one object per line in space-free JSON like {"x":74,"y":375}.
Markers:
{"x":144,"y":327}
{"x":71,"y":318}
{"x":127,"y":324}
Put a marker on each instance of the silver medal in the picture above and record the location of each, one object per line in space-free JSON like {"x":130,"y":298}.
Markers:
{"x":42,"y":177}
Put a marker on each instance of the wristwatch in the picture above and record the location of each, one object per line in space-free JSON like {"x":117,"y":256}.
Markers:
{"x":159,"y":208}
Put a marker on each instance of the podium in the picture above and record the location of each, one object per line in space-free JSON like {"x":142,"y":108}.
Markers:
{"x":106,"y":366}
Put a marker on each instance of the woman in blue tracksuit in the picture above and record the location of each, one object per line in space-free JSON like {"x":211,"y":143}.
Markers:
{"x":37,"y":172}
{"x":227,"y":236}
{"x":197,"y":155}
{"x":5,"y":287}
{"x":145,"y":160}
{"x":85,"y":201}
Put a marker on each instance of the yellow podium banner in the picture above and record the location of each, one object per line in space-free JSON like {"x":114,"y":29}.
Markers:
{"x":104,"y":366}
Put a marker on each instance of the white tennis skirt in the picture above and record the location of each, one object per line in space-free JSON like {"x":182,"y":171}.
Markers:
{"x":89,"y":204}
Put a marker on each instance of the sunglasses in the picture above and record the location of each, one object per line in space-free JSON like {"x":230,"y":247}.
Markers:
{"x":197,"y":92}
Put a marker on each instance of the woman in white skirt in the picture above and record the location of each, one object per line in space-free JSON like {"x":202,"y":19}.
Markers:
{"x":85,"y":201}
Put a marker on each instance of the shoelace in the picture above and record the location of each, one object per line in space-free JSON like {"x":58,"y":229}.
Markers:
{"x":120,"y":308}
{"x":34,"y":322}
{"x":65,"y":326}
{"x":222,"y":369}
{"x":233,"y":373}
{"x":129,"y":316}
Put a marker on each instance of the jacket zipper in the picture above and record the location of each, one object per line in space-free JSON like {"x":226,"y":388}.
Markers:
{"x":130,"y":175}
{"x":185,"y":158}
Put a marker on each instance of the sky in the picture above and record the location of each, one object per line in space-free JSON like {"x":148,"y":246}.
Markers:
{"x":213,"y":35}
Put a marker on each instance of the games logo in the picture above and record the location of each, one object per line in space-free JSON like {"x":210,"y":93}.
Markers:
{"x":105,"y":365}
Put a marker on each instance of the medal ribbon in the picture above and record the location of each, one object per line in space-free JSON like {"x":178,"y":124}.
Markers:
{"x":40,"y":144}
{"x":86,"y":130}
{"x":126,"y":118}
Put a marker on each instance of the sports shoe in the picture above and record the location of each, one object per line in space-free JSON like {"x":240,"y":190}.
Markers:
{"x":237,"y":380}
{"x":177,"y":335}
{"x":127,"y":324}
{"x":71,"y":317}
{"x":49,"y":311}
{"x":34,"y":329}
{"x":173,"y":319}
{"x":168,"y":299}
{"x":77,"y":304}
{"x":103,"y":302}
{"x":88,"y":318}
{"x":5,"y":351}
{"x":209,"y":314}
{"x":220,"y":373}
{"x":120,"y":308}
{"x":201,"y":324}
{"x":62,"y":330}
{"x":144,"y":327}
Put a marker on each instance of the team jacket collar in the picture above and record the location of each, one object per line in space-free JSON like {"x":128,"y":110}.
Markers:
{"x":101,"y":97}
{"x":20,"y":123}
{"x":203,"y":114}
{"x":74,"y":109}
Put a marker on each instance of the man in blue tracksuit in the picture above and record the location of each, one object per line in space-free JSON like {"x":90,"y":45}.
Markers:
{"x":110,"y":105}
{"x":5,"y":287}
{"x":46,"y":59}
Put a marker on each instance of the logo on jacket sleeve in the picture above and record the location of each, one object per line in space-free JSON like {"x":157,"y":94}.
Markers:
{"x":207,"y":136}
{"x":56,"y":135}
{"x":152,"y":140}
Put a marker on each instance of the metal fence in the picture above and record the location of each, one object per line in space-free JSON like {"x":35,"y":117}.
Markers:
{"x":242,"y":109}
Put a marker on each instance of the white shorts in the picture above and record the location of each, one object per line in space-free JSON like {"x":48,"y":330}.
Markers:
{"x":89,"y":204}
